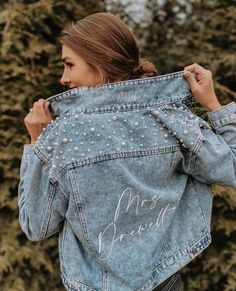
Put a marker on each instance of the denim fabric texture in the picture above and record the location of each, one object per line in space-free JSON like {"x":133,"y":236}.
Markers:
{"x":124,"y":174}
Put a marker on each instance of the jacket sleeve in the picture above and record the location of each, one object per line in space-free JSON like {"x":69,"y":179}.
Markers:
{"x":209,"y":152}
{"x":42,"y":204}
{"x":215,"y":161}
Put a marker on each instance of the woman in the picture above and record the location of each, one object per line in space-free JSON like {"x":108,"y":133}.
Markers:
{"x":123,"y":170}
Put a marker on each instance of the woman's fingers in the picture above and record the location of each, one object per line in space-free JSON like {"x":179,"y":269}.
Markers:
{"x":191,"y":79}
{"x":194,"y":68}
{"x":38,"y":118}
{"x":202,"y":87}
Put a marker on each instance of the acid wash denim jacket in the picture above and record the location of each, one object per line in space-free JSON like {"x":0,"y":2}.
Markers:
{"x":124,"y":174}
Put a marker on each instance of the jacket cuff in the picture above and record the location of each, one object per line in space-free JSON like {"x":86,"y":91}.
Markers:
{"x":27,"y":151}
{"x":226,"y":114}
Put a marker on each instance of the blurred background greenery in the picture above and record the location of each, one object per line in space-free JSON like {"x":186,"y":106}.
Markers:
{"x":172,"y":34}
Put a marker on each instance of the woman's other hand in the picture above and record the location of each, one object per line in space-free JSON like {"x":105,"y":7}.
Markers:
{"x":37,"y":119}
{"x":202,"y":86}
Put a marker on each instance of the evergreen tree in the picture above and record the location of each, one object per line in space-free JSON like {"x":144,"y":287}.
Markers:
{"x":30,"y":69}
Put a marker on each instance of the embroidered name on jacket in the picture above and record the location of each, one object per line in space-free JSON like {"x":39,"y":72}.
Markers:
{"x":110,"y":232}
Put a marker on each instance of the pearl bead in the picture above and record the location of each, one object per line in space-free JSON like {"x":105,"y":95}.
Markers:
{"x":73,"y":125}
{"x":165,"y":135}
{"x":65,"y":140}
{"x":76,"y":149}
{"x":114,"y":118}
{"x":49,"y":148}
{"x":136,"y":124}
{"x":92,"y":129}
{"x":185,"y":131}
{"x":76,"y":133}
{"x":123,"y":144}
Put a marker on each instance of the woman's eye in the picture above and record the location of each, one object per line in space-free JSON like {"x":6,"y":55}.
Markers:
{"x":69,"y":65}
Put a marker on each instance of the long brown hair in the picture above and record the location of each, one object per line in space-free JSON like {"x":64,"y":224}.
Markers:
{"x":105,"y":42}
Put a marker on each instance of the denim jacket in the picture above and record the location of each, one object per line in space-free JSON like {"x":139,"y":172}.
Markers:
{"x":124,"y":174}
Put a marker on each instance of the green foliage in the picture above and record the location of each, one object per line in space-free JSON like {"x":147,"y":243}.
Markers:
{"x":172,"y":34}
{"x":30,"y":69}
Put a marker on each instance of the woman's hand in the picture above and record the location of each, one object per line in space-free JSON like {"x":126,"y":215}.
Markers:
{"x":37,"y":119}
{"x":202,"y":86}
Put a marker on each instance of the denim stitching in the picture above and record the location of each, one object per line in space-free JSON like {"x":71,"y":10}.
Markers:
{"x":46,"y":220}
{"x":79,"y":206}
{"x":156,"y":79}
{"x":112,"y":156}
{"x":105,"y":280}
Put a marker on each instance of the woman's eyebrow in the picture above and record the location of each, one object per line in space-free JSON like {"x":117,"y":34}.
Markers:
{"x":65,"y":59}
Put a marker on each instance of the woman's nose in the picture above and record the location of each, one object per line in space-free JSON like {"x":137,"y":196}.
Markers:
{"x":64,"y":79}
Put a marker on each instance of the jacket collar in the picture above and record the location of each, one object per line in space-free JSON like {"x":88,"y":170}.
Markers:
{"x":159,"y":89}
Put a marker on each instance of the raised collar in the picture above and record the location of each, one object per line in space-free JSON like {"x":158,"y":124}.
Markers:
{"x":159,"y":89}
